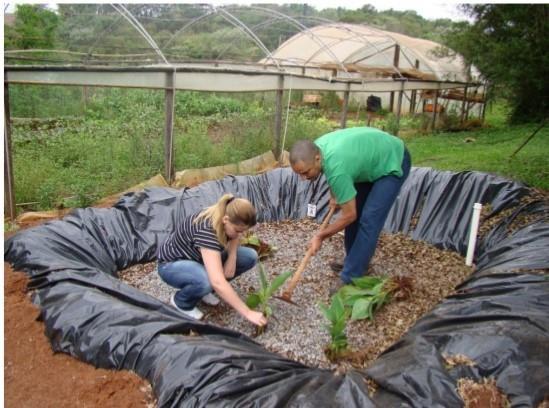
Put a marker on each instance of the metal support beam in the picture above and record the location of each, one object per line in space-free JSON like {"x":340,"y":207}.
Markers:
{"x":399,"y":108}
{"x":345,"y":109}
{"x":414,"y":94}
{"x":9,"y":194}
{"x":463,"y":105}
{"x":168,"y":126}
{"x":435,"y":104}
{"x":483,"y":112}
{"x":396,"y":59}
{"x":278,"y":118}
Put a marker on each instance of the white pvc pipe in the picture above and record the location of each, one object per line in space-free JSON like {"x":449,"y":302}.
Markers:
{"x":477,"y":207}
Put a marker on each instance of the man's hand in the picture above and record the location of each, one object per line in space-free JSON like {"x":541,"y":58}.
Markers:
{"x":315,"y":244}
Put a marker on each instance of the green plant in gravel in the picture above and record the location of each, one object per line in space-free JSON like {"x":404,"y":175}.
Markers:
{"x":368,"y":293}
{"x":359,"y":301}
{"x":261,"y":297}
{"x":337,"y":316}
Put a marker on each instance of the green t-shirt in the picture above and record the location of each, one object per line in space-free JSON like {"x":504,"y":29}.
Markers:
{"x":357,"y":155}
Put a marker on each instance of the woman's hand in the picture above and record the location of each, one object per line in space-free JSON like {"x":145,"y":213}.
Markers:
{"x":229,"y":269}
{"x":256,"y":318}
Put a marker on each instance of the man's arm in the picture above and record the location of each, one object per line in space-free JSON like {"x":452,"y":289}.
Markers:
{"x":347,"y":217}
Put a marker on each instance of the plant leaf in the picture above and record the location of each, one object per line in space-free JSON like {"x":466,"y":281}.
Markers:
{"x":337,"y":306}
{"x":278,"y":282}
{"x":367,"y":282}
{"x":253,"y":300}
{"x":360,"y":309}
{"x":263,"y":278}
{"x":267,"y":310}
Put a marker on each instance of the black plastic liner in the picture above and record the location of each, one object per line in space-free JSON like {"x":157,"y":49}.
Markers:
{"x":499,"y":317}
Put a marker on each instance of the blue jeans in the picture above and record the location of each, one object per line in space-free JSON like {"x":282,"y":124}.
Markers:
{"x":191,"y":278}
{"x":373,"y":203}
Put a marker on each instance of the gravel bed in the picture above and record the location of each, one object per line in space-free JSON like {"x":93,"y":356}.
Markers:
{"x":298,"y":332}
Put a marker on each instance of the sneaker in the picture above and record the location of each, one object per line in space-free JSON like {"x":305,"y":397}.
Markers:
{"x":336,"y":266}
{"x":210,"y":299}
{"x":193,"y":313}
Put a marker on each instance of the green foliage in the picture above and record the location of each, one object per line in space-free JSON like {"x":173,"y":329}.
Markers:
{"x":195,"y":103}
{"x":359,"y":300}
{"x":45,"y":101}
{"x":487,"y":149}
{"x":118,"y":141}
{"x":365,"y":296}
{"x":35,"y":27}
{"x":337,"y":316}
{"x":266,"y":290}
{"x":330,"y":101}
{"x":508,"y":44}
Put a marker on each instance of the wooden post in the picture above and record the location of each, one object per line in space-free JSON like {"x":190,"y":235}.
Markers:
{"x":345,"y":107}
{"x":434,"y":120}
{"x":278,"y":118}
{"x":399,"y":107}
{"x":168,"y":128}
{"x":9,"y":194}
{"x":396,"y":58}
{"x":485,"y":101}
{"x":414,"y":94}
{"x":463,"y":105}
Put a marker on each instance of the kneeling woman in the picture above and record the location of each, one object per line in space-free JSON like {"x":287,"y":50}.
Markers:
{"x":203,"y":253}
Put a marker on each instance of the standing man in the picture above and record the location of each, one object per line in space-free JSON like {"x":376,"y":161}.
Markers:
{"x":365,"y":169}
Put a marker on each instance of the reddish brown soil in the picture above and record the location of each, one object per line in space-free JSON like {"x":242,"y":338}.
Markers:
{"x":34,"y":376}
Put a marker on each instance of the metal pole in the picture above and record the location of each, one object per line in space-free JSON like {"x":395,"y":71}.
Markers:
{"x":530,"y":137}
{"x":345,"y":107}
{"x":278,"y":118}
{"x":168,"y":129}
{"x":399,"y":107}
{"x":434,"y":111}
{"x":396,"y":58}
{"x":414,"y":94}
{"x":463,"y":105}
{"x":9,"y":194}
{"x":485,"y":101}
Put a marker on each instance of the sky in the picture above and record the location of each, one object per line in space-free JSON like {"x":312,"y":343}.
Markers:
{"x":431,"y":9}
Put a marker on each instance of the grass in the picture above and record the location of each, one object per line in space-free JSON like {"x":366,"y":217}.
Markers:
{"x":117,"y":142}
{"x":487,"y":150}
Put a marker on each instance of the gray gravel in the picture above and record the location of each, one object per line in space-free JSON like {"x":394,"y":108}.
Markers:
{"x":298,"y":332}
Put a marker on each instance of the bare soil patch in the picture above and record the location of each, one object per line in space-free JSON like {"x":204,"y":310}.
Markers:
{"x":35,"y":376}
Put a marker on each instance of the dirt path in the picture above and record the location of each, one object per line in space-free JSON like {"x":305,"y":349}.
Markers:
{"x":36,"y":377}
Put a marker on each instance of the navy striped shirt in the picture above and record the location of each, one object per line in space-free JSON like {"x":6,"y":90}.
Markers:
{"x":187,"y":239}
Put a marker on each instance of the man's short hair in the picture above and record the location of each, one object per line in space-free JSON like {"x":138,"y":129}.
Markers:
{"x":303,"y":150}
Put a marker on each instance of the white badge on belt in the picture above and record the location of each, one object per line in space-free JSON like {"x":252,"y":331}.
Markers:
{"x":311,"y":210}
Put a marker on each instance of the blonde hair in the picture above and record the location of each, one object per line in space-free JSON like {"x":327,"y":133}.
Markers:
{"x":239,"y":210}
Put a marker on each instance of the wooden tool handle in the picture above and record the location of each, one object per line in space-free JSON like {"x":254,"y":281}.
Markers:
{"x":297,"y":275}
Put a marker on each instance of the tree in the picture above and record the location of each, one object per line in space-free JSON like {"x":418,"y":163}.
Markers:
{"x":35,"y":27}
{"x":508,"y":44}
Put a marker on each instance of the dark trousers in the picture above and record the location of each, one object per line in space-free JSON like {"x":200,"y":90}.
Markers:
{"x":373,"y":203}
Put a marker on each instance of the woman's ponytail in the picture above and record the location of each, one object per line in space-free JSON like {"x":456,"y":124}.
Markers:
{"x":239,"y":210}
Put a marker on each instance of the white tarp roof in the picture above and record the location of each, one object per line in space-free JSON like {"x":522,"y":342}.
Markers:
{"x":338,"y":43}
